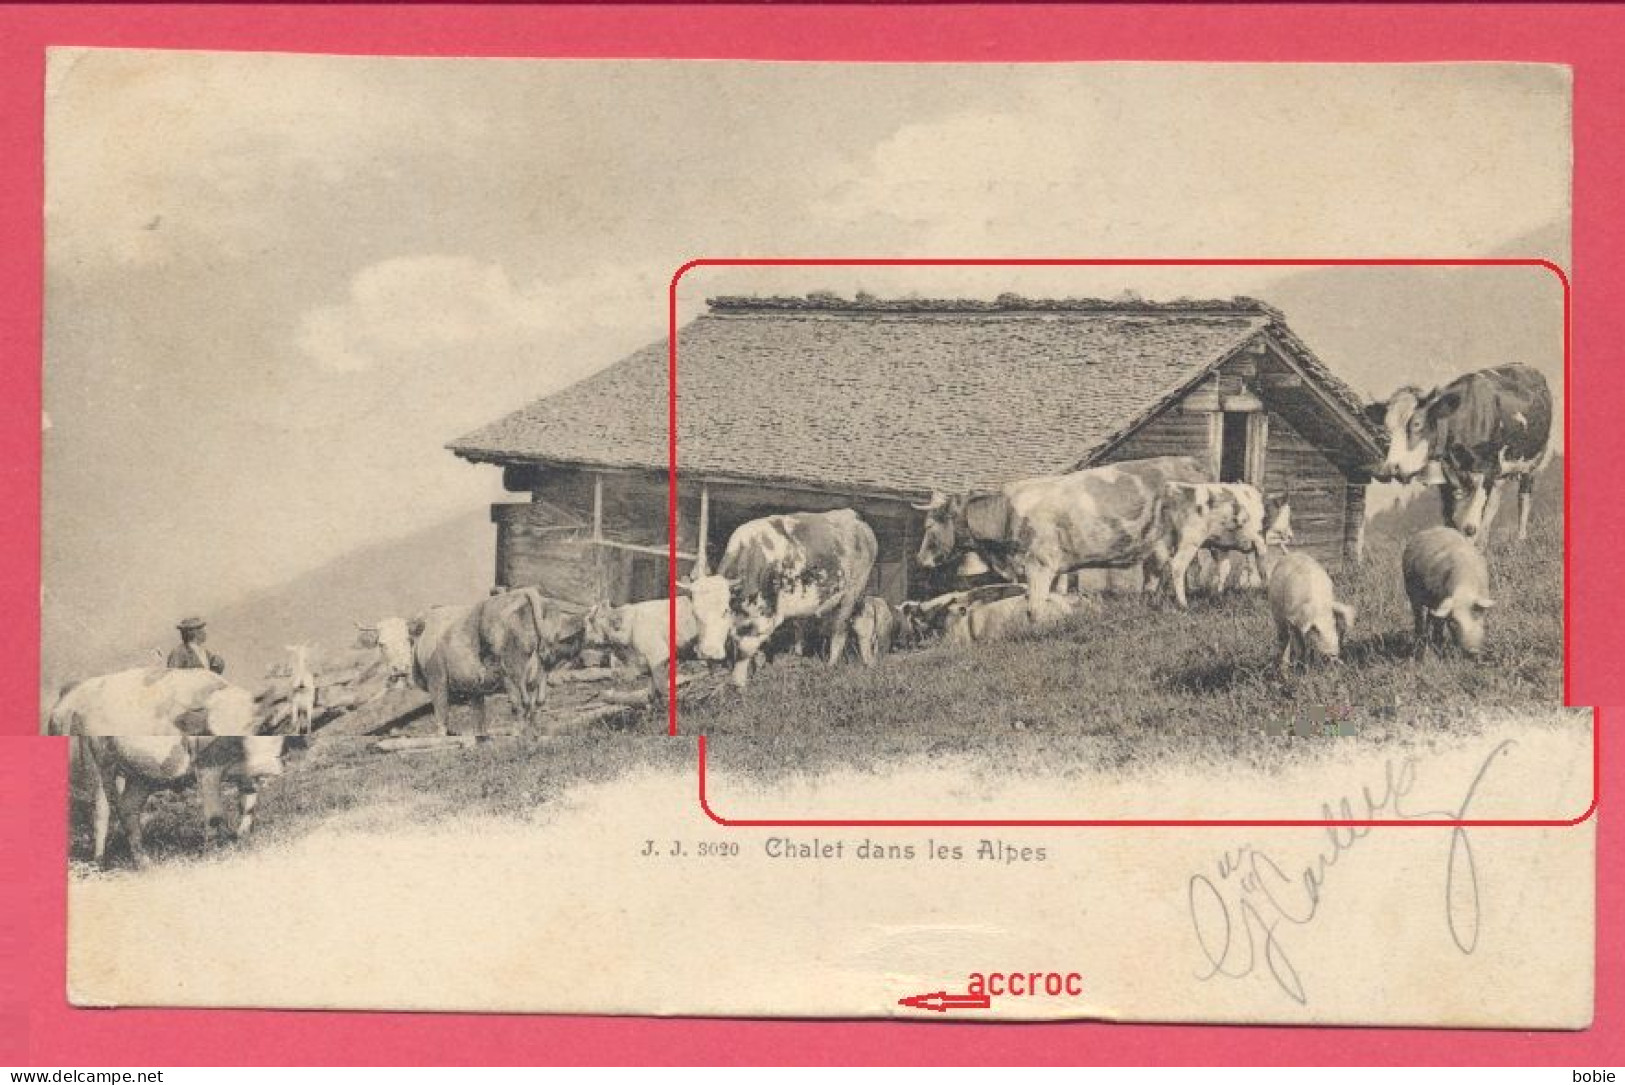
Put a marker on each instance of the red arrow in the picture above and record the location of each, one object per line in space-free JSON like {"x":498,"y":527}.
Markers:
{"x":942,"y":1002}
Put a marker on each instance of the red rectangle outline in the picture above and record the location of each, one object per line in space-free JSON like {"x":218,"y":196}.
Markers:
{"x":672,"y":524}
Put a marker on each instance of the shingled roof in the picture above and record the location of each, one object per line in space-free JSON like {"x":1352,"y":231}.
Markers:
{"x":893,"y":396}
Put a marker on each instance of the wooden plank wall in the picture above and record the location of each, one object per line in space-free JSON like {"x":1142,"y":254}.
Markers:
{"x":570,"y":565}
{"x":1177,"y":431}
{"x":1296,"y":469}
{"x":634,"y":510}
{"x":1327,"y":509}
{"x":536,"y":547}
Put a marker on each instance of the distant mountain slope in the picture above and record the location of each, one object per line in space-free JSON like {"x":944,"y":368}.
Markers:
{"x":450,"y":562}
{"x":1419,"y":508}
{"x":1380,"y":327}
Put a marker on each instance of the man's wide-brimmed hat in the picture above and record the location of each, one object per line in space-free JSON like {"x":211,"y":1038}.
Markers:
{"x":189,"y":624}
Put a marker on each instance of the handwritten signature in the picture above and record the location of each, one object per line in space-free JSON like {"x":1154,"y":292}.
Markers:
{"x":1239,"y":917}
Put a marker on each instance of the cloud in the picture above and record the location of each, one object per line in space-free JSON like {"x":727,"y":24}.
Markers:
{"x":970,"y":167}
{"x":1194,"y":160}
{"x":158,"y":156}
{"x":413,"y":307}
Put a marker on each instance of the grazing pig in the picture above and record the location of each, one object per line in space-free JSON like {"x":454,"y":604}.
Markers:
{"x":1448,"y":584}
{"x":874,"y":628}
{"x":1308,"y":618}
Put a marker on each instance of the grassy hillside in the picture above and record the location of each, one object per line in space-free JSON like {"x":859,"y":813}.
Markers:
{"x":1139,"y":681}
{"x":1125,"y":684}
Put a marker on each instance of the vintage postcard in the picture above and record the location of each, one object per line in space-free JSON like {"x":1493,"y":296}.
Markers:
{"x":936,"y":541}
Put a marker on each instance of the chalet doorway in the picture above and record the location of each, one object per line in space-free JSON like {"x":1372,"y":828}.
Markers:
{"x":1241,"y":446}
{"x":1233,"y":450}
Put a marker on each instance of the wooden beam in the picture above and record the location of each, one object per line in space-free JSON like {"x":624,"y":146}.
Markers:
{"x":597,"y":507}
{"x":1278,"y":380}
{"x":638,"y":548}
{"x":1258,"y":442}
{"x":1242,"y":402}
{"x":1215,"y":442}
{"x":908,"y":557}
{"x":790,"y":499}
{"x":705,"y":531}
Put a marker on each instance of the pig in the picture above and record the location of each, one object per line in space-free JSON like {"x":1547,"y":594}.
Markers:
{"x":1448,"y":584}
{"x":1308,"y":618}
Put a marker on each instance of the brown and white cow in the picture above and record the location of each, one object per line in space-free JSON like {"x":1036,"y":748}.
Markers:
{"x":1034,"y":530}
{"x":1482,"y":430}
{"x":148,"y":729}
{"x":503,"y":644}
{"x":804,"y":565}
{"x":1224,"y":517}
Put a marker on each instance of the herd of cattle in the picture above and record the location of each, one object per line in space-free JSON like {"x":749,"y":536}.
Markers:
{"x":802,"y":575}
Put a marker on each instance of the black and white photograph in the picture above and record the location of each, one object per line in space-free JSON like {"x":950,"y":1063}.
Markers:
{"x":950,"y":454}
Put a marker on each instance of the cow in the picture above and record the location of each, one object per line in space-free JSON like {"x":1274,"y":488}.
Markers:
{"x":505,"y":643}
{"x":394,"y":641}
{"x":874,"y":629}
{"x":919,"y":622}
{"x":642,"y":631}
{"x":1309,"y":621}
{"x":148,"y":729}
{"x":1220,"y":517}
{"x":1481,"y":430}
{"x":1036,"y":529}
{"x":1448,"y":585}
{"x":804,"y":565}
{"x":971,"y":621}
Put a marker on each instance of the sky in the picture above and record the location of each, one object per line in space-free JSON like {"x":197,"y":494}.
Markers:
{"x":277,"y":285}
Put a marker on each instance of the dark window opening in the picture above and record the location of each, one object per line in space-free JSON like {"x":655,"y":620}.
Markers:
{"x":1233,"y":453}
{"x":647,"y":578}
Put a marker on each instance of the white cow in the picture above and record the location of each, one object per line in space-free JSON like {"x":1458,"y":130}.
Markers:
{"x":147,"y":729}
{"x":642,"y":631}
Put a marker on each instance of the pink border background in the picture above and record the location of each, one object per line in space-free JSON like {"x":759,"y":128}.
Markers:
{"x":36,"y":1024}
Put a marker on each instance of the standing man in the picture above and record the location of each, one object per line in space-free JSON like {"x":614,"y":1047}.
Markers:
{"x":191,"y":652}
